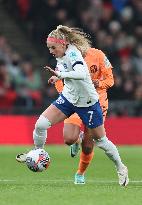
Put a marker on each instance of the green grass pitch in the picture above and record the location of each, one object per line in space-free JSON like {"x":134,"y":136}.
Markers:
{"x":20,"y":186}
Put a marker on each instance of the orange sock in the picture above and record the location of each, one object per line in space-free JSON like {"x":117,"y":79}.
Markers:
{"x":84,"y":162}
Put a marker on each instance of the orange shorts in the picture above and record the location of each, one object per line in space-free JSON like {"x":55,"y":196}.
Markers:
{"x":74,"y":119}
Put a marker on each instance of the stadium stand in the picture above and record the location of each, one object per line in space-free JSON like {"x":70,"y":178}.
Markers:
{"x":115,"y":27}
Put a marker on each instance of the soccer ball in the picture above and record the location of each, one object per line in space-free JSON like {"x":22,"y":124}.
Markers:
{"x":37,"y":160}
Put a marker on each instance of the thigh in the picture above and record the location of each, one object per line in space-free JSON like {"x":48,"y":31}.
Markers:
{"x":71,"y":132}
{"x":54,"y":115}
{"x":71,"y":129}
{"x":98,"y":132}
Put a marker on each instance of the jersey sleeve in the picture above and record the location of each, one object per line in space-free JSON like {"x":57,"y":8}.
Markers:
{"x":106,"y":70}
{"x":75,"y":57}
{"x":78,"y":72}
{"x":59,"y":86}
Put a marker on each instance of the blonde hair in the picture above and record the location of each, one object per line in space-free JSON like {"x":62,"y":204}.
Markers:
{"x":73,"y":36}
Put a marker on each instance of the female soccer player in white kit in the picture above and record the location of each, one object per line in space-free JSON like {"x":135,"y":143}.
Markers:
{"x":78,"y":95}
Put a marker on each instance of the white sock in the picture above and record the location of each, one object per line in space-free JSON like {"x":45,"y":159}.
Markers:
{"x":40,"y":131}
{"x":110,"y":150}
{"x":39,"y":137}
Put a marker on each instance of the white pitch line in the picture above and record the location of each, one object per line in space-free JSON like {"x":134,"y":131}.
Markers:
{"x":7,"y":180}
{"x":89,"y":180}
{"x":68,"y":180}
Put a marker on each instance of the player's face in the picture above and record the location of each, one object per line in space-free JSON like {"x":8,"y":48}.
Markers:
{"x":56,"y":49}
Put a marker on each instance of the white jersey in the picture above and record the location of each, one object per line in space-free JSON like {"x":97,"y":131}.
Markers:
{"x":78,"y":87}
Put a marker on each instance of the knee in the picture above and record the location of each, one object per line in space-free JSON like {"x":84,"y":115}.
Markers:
{"x":69,"y":141}
{"x":70,"y":138}
{"x":87,"y":150}
{"x":87,"y":145}
{"x":42,"y":123}
{"x":101,"y":142}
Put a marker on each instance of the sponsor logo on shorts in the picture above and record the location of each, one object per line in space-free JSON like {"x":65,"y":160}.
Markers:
{"x":60,"y":100}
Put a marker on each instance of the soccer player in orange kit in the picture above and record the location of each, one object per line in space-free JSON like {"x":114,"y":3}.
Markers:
{"x":101,"y":73}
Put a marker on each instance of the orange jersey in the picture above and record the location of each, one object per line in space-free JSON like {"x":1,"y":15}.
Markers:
{"x":101,"y":70}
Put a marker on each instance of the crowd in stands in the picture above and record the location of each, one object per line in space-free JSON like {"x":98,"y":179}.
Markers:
{"x":21,"y":85}
{"x":115,"y":27}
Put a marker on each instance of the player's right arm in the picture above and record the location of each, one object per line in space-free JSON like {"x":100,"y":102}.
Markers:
{"x":58,"y":83}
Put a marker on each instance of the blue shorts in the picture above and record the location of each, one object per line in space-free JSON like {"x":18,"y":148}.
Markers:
{"x":91,"y":116}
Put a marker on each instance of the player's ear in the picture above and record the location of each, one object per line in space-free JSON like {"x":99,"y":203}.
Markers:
{"x":67,"y":44}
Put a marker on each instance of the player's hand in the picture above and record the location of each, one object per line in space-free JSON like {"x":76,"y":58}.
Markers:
{"x":53,"y":79}
{"x":51,"y":70}
{"x":96,"y":83}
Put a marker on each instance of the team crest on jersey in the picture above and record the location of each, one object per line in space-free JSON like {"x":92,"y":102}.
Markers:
{"x":60,"y":100}
{"x":93,"y":69}
{"x":107,"y":63}
{"x":73,"y":56}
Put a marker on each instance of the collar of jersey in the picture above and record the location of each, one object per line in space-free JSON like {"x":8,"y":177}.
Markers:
{"x":69,"y":46}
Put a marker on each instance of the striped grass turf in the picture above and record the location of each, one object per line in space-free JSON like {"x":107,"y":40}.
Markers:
{"x":20,"y":186}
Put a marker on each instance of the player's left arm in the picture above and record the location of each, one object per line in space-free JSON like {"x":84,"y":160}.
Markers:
{"x":105,"y":67}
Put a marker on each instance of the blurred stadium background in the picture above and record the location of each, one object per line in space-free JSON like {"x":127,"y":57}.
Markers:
{"x":115,"y":27}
